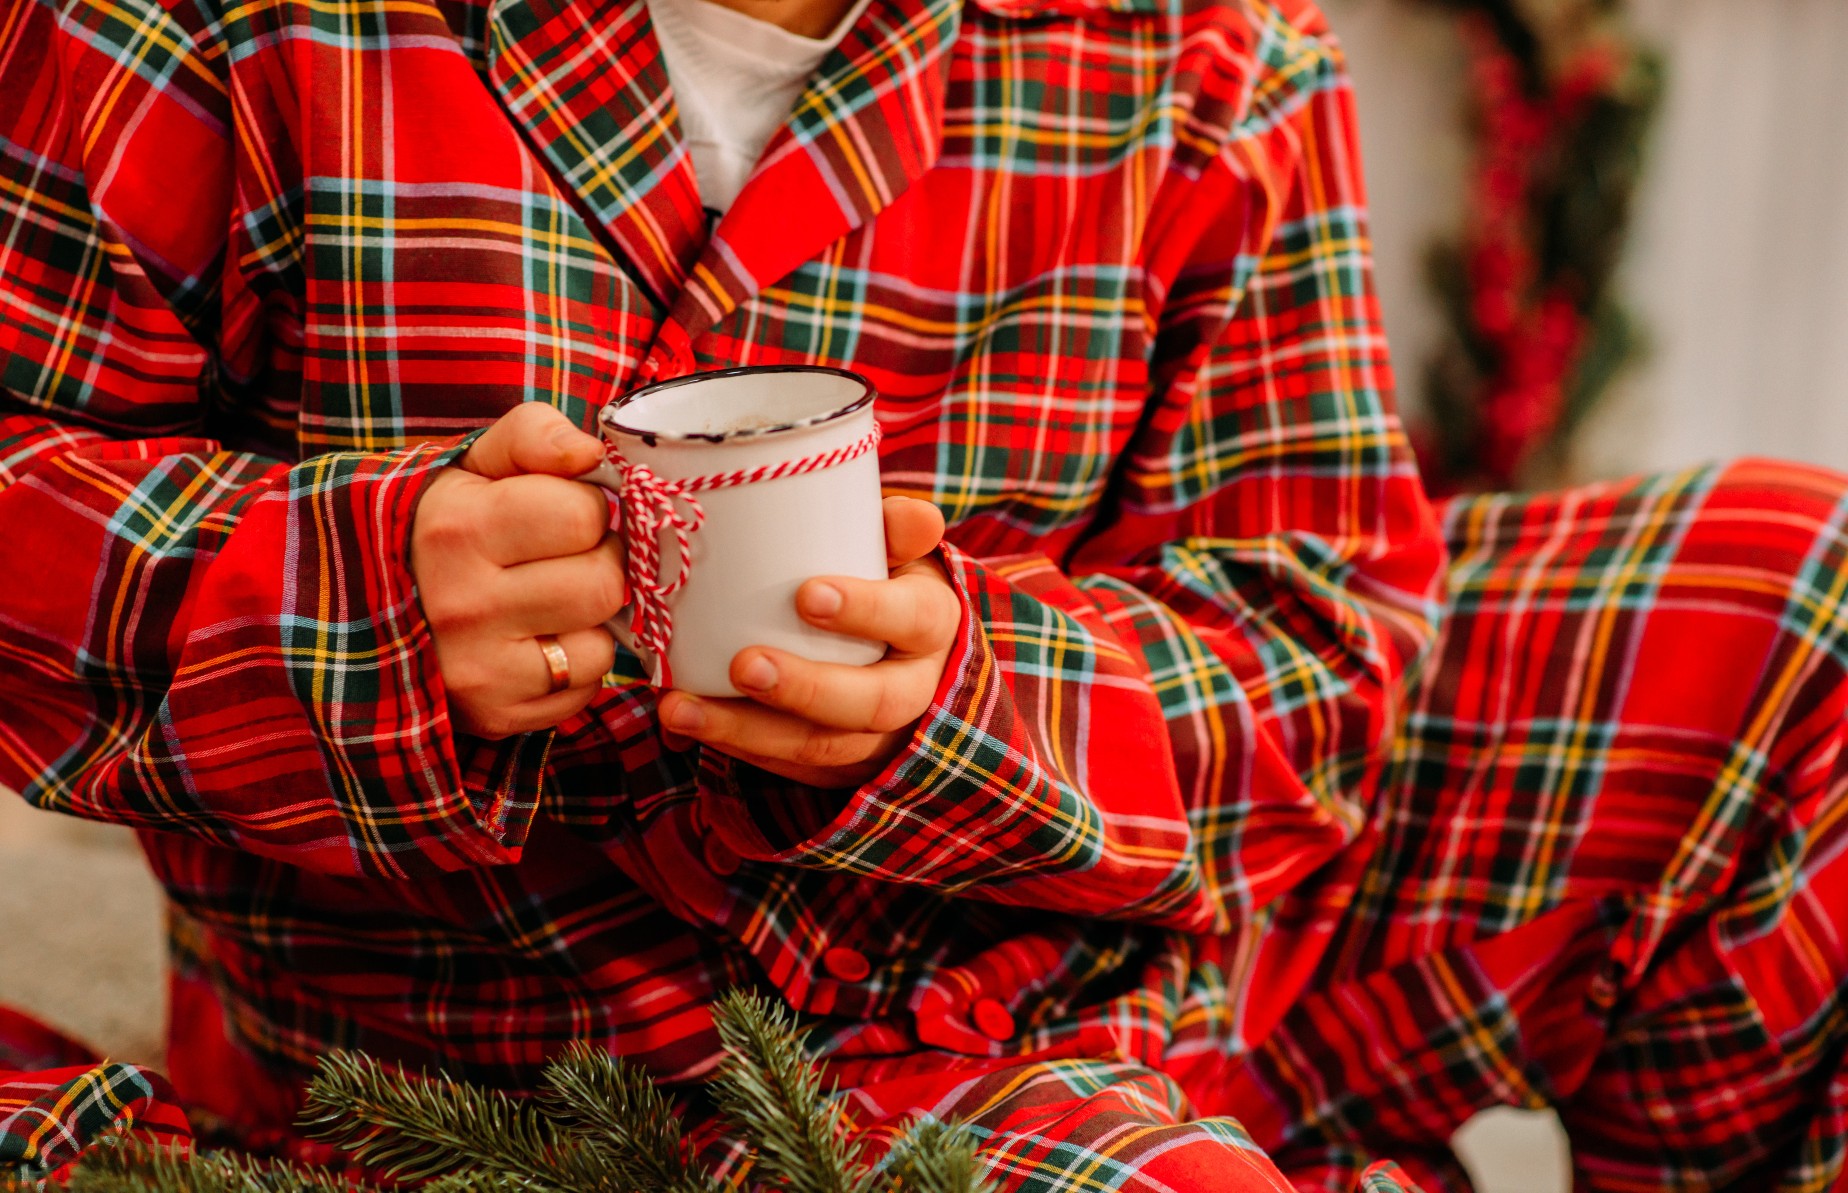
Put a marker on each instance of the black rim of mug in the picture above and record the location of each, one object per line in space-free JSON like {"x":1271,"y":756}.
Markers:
{"x":612,"y":412}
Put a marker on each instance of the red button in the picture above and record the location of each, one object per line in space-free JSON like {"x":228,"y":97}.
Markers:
{"x":846,"y":965}
{"x":992,"y":1019}
{"x":720,"y":856}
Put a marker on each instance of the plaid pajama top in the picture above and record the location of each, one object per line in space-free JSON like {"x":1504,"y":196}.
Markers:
{"x":1105,"y":260}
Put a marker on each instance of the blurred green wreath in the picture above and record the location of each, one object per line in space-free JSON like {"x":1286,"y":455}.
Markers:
{"x":1562,"y":95}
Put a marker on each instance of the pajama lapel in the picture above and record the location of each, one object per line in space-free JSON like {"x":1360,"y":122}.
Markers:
{"x":868,"y":126}
{"x":585,"y":81}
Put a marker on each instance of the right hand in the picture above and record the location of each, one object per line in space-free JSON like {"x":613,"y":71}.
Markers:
{"x":504,"y":548}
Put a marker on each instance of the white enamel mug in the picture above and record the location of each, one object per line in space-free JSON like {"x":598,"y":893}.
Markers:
{"x":757,"y":541}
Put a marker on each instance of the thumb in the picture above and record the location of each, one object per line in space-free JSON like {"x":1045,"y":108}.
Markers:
{"x":913,"y":529}
{"x":533,"y":438}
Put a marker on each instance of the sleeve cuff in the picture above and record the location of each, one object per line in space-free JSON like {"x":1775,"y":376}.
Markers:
{"x":499,"y":783}
{"x":764,"y":817}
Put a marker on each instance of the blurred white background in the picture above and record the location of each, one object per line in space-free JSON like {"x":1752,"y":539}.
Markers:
{"x":1739,"y":265}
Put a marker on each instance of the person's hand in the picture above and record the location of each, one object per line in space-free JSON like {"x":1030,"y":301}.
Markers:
{"x":506,"y":550}
{"x":829,"y":724}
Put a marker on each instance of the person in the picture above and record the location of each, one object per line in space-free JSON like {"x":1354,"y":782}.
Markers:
{"x":1224,"y":815}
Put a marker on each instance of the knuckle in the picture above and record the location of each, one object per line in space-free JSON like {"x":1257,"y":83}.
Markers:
{"x":455,"y":607}
{"x":439,"y":601}
{"x":467,"y":678}
{"x":606,"y":594}
{"x":443,"y":526}
{"x":811,"y":751}
{"x":586,"y":520}
{"x":527,"y":416}
{"x":824,"y":749}
{"x":892,"y":711}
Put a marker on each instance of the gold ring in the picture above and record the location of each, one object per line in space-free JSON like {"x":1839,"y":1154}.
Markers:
{"x":556,"y":661}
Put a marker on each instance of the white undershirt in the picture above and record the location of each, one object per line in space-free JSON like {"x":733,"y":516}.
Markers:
{"x":735,"y":80}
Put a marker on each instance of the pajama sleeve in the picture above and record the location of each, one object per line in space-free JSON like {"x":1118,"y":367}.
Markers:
{"x":196,"y":637}
{"x":1188,"y":713}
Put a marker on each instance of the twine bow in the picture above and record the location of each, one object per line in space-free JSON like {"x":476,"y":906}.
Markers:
{"x":652,"y":504}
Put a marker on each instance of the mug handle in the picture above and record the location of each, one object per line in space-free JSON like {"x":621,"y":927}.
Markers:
{"x":608,"y":477}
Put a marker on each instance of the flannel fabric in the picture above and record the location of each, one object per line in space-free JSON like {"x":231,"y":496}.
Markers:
{"x":1610,"y":869}
{"x":47,"y":1117}
{"x":1106,"y":262}
{"x":57,"y":1098}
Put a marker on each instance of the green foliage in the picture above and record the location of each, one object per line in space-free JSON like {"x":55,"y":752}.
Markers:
{"x":768,"y":1089}
{"x":1555,"y":240}
{"x":625,"y":1118}
{"x":598,"y":1125}
{"x":419,"y":1128}
{"x":128,"y":1166}
{"x":936,"y":1157}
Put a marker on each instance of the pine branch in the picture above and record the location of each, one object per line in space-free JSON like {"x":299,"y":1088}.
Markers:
{"x":474,"y":1180}
{"x":936,"y":1157}
{"x":613,"y":1107}
{"x":130,"y":1166}
{"x":418,"y":1128}
{"x":599,"y":1126}
{"x":771,"y":1092}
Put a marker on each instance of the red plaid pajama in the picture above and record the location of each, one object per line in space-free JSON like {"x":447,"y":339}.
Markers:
{"x":1606,"y":874}
{"x":1198,"y":824}
{"x":1609,"y":880}
{"x":1610,"y":871}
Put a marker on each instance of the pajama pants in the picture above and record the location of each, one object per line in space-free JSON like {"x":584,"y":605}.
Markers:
{"x":1606,"y":876}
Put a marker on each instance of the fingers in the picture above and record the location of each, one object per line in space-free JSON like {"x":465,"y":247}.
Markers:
{"x":916,"y":611}
{"x":882,"y":698}
{"x":553,"y":596}
{"x":777,"y":741}
{"x":505,"y":548}
{"x":533,"y":437}
{"x":912,"y":529}
{"x":485,"y":605}
{"x":532,"y":716}
{"x":507,"y":690}
{"x":826,"y":724}
{"x":591,"y":654}
{"x":523,"y":518}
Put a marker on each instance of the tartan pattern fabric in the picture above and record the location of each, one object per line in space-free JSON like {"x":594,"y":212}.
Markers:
{"x":1068,"y":1125}
{"x":1163,"y":833}
{"x":1609,"y":868}
{"x":48,"y":1118}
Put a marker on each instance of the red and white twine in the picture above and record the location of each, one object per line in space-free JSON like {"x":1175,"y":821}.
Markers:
{"x":651,"y":504}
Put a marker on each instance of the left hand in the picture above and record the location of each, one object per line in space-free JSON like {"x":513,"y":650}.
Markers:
{"x":830,"y":724}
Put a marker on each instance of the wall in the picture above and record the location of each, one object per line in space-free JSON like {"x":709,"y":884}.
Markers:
{"x":1739,"y":267}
